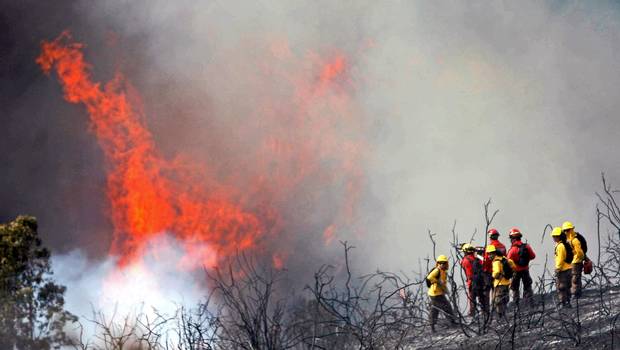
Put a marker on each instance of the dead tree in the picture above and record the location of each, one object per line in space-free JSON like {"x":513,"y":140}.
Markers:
{"x":252,"y":315}
{"x":248,"y":307}
{"x":374,"y":311}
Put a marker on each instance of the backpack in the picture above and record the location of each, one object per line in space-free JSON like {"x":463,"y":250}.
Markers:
{"x":569,"y":252}
{"x":582,"y":240}
{"x":507,"y":269}
{"x":523,"y":255}
{"x":477,"y":281}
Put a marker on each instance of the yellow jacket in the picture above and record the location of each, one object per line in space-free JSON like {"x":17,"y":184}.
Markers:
{"x":438,"y":278}
{"x":560,"y":256}
{"x":498,"y":272}
{"x":577,"y":250}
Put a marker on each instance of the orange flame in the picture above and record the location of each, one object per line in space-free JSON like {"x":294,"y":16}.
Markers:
{"x":147,"y":195}
{"x":213,"y":218}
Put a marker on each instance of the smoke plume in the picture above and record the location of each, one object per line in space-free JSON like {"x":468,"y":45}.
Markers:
{"x":363,"y":121}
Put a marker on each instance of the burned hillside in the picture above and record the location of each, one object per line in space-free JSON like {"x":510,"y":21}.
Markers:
{"x":310,"y":174}
{"x":250,"y":307}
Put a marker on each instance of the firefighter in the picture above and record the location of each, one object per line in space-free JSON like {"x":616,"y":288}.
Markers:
{"x":437,"y":292}
{"x":474,"y":273}
{"x":488,"y":261}
{"x":494,"y":240}
{"x":562,"y":267}
{"x":487,"y":268}
{"x":578,"y":256}
{"x":501,"y":280}
{"x":521,"y":254}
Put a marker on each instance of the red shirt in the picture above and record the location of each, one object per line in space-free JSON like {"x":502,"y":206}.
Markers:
{"x":513,"y":254}
{"x":468,"y":265}
{"x":488,"y":262}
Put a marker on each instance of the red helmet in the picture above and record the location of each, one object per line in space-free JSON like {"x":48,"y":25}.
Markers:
{"x":514,"y":233}
{"x":492,"y":232}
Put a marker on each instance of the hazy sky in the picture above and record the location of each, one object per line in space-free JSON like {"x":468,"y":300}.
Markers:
{"x":458,"y":102}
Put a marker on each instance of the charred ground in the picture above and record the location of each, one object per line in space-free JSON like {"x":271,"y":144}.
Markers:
{"x":253,"y":308}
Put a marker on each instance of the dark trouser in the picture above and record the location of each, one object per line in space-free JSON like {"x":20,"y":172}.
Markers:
{"x":500,"y":300}
{"x":563,"y":281}
{"x":576,"y":279}
{"x":440,"y":303}
{"x":488,"y":287}
{"x":522,"y":276}
{"x":477,"y":296}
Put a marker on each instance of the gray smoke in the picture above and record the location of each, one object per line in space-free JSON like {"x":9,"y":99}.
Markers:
{"x":460,"y":102}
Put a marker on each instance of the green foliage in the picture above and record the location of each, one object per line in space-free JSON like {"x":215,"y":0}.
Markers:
{"x":32,"y":315}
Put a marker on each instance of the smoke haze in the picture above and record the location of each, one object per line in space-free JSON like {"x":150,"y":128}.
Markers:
{"x":455,"y":103}
{"x":138,"y":288}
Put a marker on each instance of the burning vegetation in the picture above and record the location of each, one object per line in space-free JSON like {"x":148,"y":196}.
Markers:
{"x":217,"y":216}
{"x":250,"y":306}
{"x":235,"y":225}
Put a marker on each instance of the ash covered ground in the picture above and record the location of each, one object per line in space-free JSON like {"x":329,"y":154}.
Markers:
{"x":593,"y":324}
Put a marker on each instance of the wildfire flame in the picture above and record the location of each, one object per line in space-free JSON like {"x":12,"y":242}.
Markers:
{"x":214,"y":217}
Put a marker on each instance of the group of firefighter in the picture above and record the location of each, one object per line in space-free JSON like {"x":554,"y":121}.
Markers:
{"x":493,"y":270}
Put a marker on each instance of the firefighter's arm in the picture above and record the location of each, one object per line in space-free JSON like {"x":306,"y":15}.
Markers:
{"x":513,"y":265}
{"x":437,"y":280}
{"x":531,"y":251}
{"x":560,"y":255}
{"x":467,"y":267}
{"x":577,"y":250}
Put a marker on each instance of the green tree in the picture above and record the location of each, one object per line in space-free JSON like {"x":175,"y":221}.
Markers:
{"x":32,"y":315}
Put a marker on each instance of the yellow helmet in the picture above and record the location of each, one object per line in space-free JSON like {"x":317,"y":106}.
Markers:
{"x":442,"y":258}
{"x":491,"y":248}
{"x":466,"y":247}
{"x":557,"y":231}
{"x":567,"y":225}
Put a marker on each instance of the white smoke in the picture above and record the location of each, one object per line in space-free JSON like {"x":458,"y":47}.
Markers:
{"x":155,"y":285}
